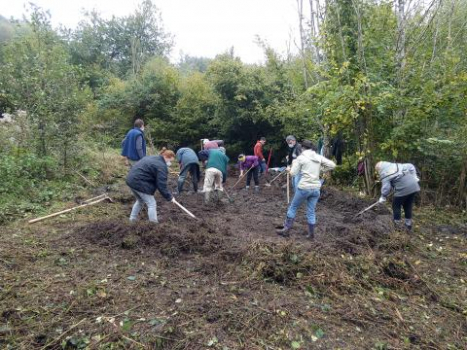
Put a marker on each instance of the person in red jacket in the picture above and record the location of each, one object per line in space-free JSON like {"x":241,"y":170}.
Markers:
{"x":258,"y":151}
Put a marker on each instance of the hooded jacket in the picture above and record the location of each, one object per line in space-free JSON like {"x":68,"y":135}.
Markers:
{"x":186,"y":156}
{"x":149,"y":175}
{"x":258,"y":150}
{"x":219,"y":161}
{"x":401,"y":177}
{"x":308,"y":165}
{"x":250,"y":162}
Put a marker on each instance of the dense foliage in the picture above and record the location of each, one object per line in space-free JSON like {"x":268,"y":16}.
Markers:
{"x":393,"y":86}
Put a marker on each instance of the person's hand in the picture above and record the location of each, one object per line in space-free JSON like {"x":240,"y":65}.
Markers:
{"x":288,"y":169}
{"x":381,"y":199}
{"x":173,"y":200}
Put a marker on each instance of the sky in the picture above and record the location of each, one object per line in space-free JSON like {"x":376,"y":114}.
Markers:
{"x":200,"y":27}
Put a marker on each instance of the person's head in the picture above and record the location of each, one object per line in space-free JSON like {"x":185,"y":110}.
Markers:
{"x":307,"y":144}
{"x":139,"y":124}
{"x":205,"y":141}
{"x":168,"y":155}
{"x":291,"y":141}
{"x":262,"y":140}
{"x":241,"y":158}
{"x":203,"y":155}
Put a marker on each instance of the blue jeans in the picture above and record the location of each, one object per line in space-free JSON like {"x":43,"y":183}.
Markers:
{"x":295,"y":180}
{"x":194,"y":171}
{"x":311,"y":196}
{"x":262,"y":167}
{"x":143,"y":198}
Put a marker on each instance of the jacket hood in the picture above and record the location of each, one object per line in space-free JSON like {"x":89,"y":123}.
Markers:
{"x":387,"y":169}
{"x":312,"y":155}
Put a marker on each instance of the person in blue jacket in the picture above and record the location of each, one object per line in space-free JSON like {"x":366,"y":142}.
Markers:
{"x":147,"y":176}
{"x":134,"y":144}
{"x":188,"y":161}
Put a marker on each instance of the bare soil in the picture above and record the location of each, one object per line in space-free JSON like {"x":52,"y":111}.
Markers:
{"x":227,"y":281}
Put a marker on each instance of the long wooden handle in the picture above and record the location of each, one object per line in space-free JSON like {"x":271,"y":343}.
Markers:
{"x":67,"y":210}
{"x":366,"y":209}
{"x":93,"y":199}
{"x":288,"y":188}
{"x":275,"y":178}
{"x":184,"y":209}
{"x":241,"y":177}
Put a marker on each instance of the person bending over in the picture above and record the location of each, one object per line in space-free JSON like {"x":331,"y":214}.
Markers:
{"x":147,"y":176}
{"x":402,"y":178}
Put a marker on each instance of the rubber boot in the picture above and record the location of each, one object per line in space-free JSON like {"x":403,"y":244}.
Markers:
{"x":311,"y":232}
{"x":220,"y":194}
{"x":288,"y":223}
{"x":208,"y":195}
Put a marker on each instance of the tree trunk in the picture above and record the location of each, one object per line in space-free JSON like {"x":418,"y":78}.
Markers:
{"x":302,"y":41}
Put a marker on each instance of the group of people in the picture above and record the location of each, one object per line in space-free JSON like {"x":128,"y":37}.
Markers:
{"x":305,"y":166}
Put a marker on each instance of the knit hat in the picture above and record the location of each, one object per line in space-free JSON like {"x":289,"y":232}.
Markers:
{"x":290,"y":138}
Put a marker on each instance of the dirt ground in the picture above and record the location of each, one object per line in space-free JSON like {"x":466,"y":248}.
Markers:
{"x":89,"y":279}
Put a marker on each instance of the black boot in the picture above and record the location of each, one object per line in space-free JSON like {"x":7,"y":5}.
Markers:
{"x":311,"y":232}
{"x":288,"y":223}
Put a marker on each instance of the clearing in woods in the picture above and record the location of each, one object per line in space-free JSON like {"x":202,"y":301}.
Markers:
{"x":227,"y":281}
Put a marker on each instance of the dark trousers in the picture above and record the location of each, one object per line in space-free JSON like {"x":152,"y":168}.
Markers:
{"x":406,"y":202}
{"x":255,"y":173}
{"x":194,"y":172}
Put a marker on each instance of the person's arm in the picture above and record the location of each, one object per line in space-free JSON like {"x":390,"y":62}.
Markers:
{"x":327,"y":164}
{"x":385,"y":190}
{"x":139,"y":146}
{"x":296,"y":167}
{"x":162,"y":183}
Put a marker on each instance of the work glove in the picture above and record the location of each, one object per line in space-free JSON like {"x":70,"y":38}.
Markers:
{"x":381,"y":199}
{"x":173,"y":200}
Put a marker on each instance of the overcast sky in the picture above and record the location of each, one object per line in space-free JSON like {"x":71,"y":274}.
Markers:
{"x":201,"y":27}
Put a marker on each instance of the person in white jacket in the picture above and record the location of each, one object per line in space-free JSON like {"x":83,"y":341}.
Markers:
{"x":308,"y":165}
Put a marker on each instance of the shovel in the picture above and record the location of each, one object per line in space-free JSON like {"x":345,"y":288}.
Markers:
{"x":366,"y":209}
{"x":231,"y":200}
{"x":275,"y":178}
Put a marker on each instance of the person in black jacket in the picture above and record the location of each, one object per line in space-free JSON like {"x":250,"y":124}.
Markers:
{"x":147,"y":176}
{"x":294,"y":150}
